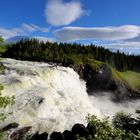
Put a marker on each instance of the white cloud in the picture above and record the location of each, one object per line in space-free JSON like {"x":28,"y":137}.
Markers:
{"x":28,"y":27}
{"x":59,"y":13}
{"x":122,"y":45}
{"x":124,"y":38}
{"x":102,"y":33}
{"x":33,"y":28}
{"x":135,"y":39}
{"x":7,"y":33}
{"x":25,"y":29}
{"x":126,"y":47}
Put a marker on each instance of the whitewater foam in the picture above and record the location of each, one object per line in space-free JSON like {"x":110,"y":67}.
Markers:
{"x":48,"y":97}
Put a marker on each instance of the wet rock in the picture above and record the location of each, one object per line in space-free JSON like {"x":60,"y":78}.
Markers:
{"x":57,"y":136}
{"x":81,"y":130}
{"x":10,"y":126}
{"x":20,"y":133}
{"x":99,"y":81}
{"x":40,"y":100}
{"x":38,"y":136}
{"x":96,"y":80}
{"x":68,"y":135}
{"x":43,"y":136}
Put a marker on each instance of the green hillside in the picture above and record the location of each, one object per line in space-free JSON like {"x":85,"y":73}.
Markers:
{"x":129,"y":78}
{"x":132,"y":79}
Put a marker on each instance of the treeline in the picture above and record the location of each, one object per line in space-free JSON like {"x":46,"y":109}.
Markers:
{"x":70,"y":53}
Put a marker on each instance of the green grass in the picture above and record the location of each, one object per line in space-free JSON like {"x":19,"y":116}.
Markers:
{"x":96,"y":65}
{"x":129,"y":78}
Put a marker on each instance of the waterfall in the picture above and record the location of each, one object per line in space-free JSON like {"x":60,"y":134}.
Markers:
{"x":47,"y":97}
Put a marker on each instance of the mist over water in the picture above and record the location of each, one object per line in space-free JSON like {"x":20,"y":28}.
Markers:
{"x":51,"y":98}
{"x":109,"y":108}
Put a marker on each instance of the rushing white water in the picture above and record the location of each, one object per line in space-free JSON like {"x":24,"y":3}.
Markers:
{"x":48,"y":97}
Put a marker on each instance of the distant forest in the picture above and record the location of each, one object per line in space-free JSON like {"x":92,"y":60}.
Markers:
{"x":67,"y":53}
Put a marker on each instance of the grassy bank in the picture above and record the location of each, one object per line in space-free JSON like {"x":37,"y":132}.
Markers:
{"x":129,"y":78}
{"x":132,"y":79}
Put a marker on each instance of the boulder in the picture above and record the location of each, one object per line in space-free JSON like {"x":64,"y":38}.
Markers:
{"x":20,"y":133}
{"x":68,"y":135}
{"x":10,"y":126}
{"x":81,"y":130}
{"x":38,"y":136}
{"x":57,"y":136}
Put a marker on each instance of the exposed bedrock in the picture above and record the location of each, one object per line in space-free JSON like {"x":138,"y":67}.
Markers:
{"x":101,"y":81}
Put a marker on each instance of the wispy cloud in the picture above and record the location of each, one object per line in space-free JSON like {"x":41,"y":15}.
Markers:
{"x":103,"y":33}
{"x":33,"y":28}
{"x":63,"y":13}
{"x":7,"y":33}
{"x":123,"y":46}
{"x":135,"y":39}
{"x":124,"y":38}
{"x":24,"y":29}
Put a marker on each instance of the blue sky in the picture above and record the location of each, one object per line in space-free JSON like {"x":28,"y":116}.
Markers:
{"x":111,"y":23}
